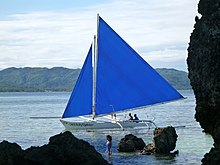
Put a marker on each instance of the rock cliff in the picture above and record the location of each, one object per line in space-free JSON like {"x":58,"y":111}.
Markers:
{"x":204,"y":69}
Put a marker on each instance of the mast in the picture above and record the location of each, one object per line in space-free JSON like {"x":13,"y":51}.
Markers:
{"x":94,"y":77}
{"x":95,"y":68}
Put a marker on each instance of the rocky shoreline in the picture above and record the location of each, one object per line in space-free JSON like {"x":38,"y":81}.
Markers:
{"x":65,"y":148}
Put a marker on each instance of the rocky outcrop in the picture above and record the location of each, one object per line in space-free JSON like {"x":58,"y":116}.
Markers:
{"x":61,"y":149}
{"x":204,"y":65}
{"x":212,"y":158}
{"x":10,"y":153}
{"x":164,"y":141}
{"x":130,"y":143}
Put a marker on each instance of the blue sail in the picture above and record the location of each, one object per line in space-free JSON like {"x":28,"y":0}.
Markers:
{"x":80,"y":102}
{"x":124,"y":80}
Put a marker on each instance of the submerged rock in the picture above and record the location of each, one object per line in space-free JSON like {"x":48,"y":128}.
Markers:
{"x":130,"y":143}
{"x":61,"y":149}
{"x":164,"y":141}
{"x":204,"y":65}
{"x":149,"y":149}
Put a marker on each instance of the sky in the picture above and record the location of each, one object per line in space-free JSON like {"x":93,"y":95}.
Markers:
{"x":58,"y":33}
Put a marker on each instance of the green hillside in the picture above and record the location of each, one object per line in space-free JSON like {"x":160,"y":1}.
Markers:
{"x":178,"y":79}
{"x":38,"y":79}
{"x":63,"y":79}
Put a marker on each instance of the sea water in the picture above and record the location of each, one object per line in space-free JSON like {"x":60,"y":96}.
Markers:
{"x":17,"y":126}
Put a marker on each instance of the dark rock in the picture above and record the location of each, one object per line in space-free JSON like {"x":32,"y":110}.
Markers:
{"x":61,"y":149}
{"x":10,"y":153}
{"x":164,"y":141}
{"x":204,"y":65}
{"x":212,"y":158}
{"x":130,"y":143}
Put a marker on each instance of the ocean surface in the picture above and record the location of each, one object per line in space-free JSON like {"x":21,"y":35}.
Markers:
{"x":17,"y":126}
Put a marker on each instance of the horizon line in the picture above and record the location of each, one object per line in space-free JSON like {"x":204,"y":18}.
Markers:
{"x":1,"y":69}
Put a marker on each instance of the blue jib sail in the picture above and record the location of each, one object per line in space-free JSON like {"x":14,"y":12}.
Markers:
{"x":124,"y":79}
{"x":80,"y":102}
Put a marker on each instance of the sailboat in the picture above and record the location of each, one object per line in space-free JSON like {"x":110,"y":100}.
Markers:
{"x":114,"y":78}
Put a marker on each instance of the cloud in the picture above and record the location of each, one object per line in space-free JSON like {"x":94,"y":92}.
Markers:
{"x":159,"y":30}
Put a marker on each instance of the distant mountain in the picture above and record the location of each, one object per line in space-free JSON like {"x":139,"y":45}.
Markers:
{"x":63,"y":79}
{"x":38,"y":79}
{"x":178,"y":79}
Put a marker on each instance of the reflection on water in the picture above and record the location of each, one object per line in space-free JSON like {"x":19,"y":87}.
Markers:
{"x":16,"y":126}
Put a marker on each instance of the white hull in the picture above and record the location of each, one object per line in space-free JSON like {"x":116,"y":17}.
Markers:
{"x":92,"y":125}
